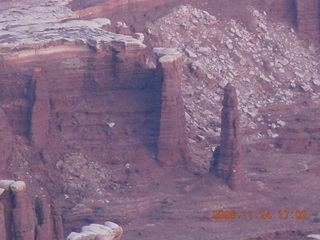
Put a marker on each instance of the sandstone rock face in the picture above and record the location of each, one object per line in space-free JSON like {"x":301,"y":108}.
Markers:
{"x":21,"y":219}
{"x":172,"y":142}
{"x":108,"y":231}
{"x":230,"y":159}
{"x":40,"y":110}
{"x":308,"y":17}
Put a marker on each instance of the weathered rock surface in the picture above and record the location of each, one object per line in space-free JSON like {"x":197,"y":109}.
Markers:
{"x":23,"y":217}
{"x":308,"y":17}
{"x":39,"y":125}
{"x":3,"y":234}
{"x":23,"y":220}
{"x":105,"y":110}
{"x":172,"y":142}
{"x":230,"y":162}
{"x":6,"y":140}
{"x":108,"y":231}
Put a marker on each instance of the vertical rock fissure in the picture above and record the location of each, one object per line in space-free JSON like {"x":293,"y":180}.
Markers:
{"x":38,"y":211}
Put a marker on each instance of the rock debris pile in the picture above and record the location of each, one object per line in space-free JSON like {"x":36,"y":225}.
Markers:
{"x":265,"y":61}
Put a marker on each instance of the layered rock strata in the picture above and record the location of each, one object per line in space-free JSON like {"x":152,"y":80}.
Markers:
{"x":230,"y":156}
{"x":94,"y":91}
{"x":173,"y":141}
{"x":108,"y":231}
{"x":23,"y":220}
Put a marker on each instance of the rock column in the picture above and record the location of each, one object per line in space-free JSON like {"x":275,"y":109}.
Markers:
{"x":23,"y":215}
{"x":2,"y":220}
{"x":230,"y":158}
{"x":40,"y":110}
{"x":6,"y":143}
{"x":6,"y":201}
{"x":172,"y":142}
{"x":20,"y":219}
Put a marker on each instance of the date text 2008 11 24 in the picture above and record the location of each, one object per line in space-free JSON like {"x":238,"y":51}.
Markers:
{"x":263,"y":214}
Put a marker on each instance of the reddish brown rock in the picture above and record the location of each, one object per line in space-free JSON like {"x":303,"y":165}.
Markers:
{"x":2,"y":221}
{"x":57,"y":222}
{"x":5,"y":200}
{"x":44,"y":227}
{"x":40,"y":110}
{"x":172,"y":143}
{"x":308,"y":17}
{"x":5,"y":140}
{"x":21,"y":219}
{"x":23,"y":215}
{"x":230,"y":157}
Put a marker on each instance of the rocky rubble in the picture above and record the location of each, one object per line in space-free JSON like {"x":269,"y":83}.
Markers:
{"x":265,"y":61}
{"x":84,"y":177}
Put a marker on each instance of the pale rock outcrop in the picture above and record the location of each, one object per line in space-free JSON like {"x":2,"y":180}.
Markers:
{"x":123,"y":28}
{"x":173,"y":142}
{"x":108,"y":231}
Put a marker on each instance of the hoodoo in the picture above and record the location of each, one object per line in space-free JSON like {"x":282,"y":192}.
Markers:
{"x":230,"y":159}
{"x":173,"y":141}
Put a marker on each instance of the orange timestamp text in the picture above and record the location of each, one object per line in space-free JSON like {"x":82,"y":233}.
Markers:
{"x":263,"y":214}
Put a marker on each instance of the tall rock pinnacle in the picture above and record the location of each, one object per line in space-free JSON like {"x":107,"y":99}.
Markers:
{"x":230,"y":159}
{"x":173,"y":142}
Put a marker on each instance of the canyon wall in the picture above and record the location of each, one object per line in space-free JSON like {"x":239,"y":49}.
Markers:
{"x":89,"y":91}
{"x":102,"y":102}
